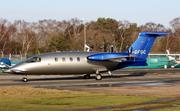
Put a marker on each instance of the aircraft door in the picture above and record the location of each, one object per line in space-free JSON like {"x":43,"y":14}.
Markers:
{"x":52,"y":65}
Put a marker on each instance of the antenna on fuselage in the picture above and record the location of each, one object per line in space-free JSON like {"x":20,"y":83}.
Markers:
{"x":130,"y":51}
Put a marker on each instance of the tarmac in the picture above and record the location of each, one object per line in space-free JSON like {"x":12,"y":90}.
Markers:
{"x":142,"y":82}
{"x":124,"y":77}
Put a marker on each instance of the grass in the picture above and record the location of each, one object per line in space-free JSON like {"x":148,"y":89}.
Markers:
{"x":31,"y":99}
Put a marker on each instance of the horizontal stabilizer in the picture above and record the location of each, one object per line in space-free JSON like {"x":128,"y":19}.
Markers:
{"x":155,"y":33}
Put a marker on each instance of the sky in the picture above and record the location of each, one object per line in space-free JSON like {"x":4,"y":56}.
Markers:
{"x":135,"y":11}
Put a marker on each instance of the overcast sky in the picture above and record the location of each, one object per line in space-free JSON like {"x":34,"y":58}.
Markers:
{"x":135,"y":11}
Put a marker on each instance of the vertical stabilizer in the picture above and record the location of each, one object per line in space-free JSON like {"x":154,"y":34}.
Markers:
{"x":142,"y":46}
{"x":169,"y":57}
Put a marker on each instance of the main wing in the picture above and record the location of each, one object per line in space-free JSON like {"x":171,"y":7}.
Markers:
{"x":114,"y":57}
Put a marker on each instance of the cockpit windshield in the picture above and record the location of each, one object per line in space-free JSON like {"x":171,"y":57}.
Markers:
{"x":33,"y":59}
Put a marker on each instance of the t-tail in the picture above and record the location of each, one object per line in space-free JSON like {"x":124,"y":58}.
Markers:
{"x":135,"y":56}
{"x":142,"y":46}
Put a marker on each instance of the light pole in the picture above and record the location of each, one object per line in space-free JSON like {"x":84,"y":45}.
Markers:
{"x":84,"y":33}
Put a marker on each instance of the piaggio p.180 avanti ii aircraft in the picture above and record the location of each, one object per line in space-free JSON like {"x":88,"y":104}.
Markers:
{"x":82,"y":62}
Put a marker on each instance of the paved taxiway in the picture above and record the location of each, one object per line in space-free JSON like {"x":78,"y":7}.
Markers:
{"x":144,"y":82}
{"x":125,"y":77}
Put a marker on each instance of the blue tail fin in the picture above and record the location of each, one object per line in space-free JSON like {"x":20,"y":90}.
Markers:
{"x":142,"y":46}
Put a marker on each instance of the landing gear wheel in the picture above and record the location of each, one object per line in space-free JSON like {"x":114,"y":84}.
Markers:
{"x":24,"y":79}
{"x":87,"y":76}
{"x":98,"y":77}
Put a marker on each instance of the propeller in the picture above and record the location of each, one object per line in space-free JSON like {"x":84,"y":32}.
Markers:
{"x":130,"y":51}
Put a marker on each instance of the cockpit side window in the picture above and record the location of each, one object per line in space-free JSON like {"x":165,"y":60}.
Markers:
{"x":38,"y":59}
{"x":33,"y":59}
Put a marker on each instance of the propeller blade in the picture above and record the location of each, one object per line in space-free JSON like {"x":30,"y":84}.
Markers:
{"x":130,"y":51}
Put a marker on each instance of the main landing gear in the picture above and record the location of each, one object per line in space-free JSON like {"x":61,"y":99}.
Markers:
{"x":98,"y":75}
{"x":24,"y":79}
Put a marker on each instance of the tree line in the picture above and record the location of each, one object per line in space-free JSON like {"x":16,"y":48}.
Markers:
{"x":68,"y":35}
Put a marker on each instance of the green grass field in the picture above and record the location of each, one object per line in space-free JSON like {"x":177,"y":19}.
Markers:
{"x":33,"y":99}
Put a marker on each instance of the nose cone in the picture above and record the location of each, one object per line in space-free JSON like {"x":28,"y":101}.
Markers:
{"x":13,"y":71}
{"x":8,"y":71}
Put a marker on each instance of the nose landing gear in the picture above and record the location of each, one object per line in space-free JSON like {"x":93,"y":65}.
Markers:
{"x":24,"y":79}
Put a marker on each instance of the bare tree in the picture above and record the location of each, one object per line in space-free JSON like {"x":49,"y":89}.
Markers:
{"x":4,"y":29}
{"x":175,"y":24}
{"x":25,"y":35}
{"x":150,"y":26}
{"x":122,"y":32}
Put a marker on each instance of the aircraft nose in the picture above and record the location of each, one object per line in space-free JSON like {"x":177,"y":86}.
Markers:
{"x":14,"y":71}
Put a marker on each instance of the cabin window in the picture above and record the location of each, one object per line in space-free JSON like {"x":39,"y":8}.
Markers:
{"x":63,"y":59}
{"x":33,"y":59}
{"x":71,"y":59}
{"x":56,"y":59}
{"x":78,"y":59}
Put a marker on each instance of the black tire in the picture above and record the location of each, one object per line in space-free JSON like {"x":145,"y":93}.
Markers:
{"x":87,"y":76}
{"x":24,"y":79}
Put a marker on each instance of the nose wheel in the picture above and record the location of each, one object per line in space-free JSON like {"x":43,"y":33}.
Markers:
{"x":24,"y":79}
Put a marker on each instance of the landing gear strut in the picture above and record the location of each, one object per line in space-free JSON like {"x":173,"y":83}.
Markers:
{"x":24,"y":79}
{"x":98,"y":75}
{"x":87,"y":76}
